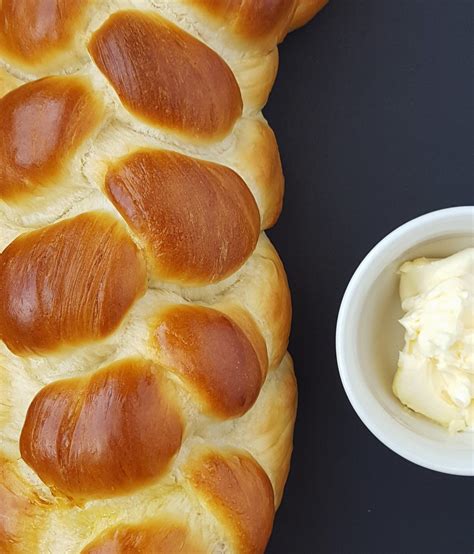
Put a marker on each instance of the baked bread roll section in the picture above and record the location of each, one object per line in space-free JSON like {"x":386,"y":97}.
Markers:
{"x":147,"y":401}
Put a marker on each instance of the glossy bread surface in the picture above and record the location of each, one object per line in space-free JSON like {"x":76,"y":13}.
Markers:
{"x":147,"y":401}
{"x":213,"y":355}
{"x":201,"y":101}
{"x":42,"y":125}
{"x":198,"y":219}
{"x":69,"y":283}
{"x":104,"y":434}
{"x":235,"y":488}
{"x":32,"y":31}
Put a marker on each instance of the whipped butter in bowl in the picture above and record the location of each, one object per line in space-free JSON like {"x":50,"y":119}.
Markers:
{"x":412,"y":383}
{"x":435,"y":375}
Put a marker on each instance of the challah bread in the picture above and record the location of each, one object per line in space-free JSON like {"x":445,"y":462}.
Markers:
{"x":147,"y":401}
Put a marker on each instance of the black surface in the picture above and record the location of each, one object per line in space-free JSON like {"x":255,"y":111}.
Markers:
{"x":373,"y":111}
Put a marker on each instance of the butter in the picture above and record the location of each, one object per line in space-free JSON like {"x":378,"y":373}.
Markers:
{"x":435,"y":375}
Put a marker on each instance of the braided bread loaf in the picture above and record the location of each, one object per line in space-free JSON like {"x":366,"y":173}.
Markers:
{"x":146,"y":400}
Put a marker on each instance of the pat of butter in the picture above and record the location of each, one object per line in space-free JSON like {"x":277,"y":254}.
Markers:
{"x":435,"y":375}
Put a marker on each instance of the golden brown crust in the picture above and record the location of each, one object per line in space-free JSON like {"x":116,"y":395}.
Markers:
{"x":32,"y":31}
{"x":237,"y":490}
{"x":152,"y":415}
{"x":249,"y":327}
{"x":138,"y":52}
{"x":213,"y":355}
{"x":263,"y":22}
{"x":163,"y":536}
{"x":198,"y":219}
{"x":102,"y":435}
{"x":266,"y":430}
{"x":46,"y":305}
{"x":42,"y":124}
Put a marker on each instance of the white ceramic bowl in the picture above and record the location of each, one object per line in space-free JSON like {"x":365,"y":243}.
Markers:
{"x":369,"y":337}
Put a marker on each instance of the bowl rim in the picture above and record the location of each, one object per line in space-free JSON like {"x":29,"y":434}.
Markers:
{"x":386,"y":433}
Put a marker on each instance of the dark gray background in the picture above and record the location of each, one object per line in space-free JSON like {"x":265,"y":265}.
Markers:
{"x":373,"y":111}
